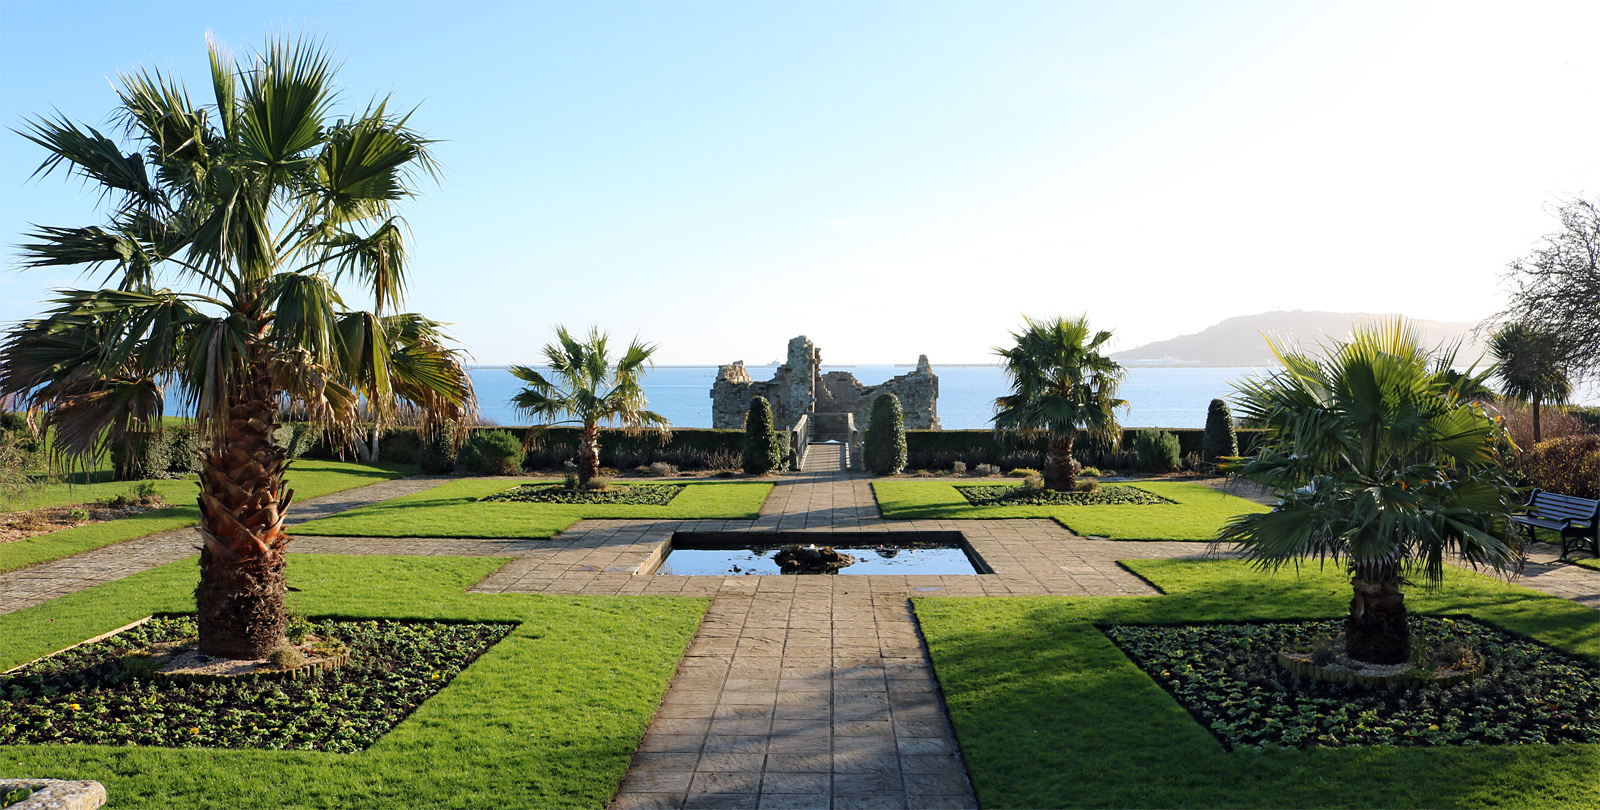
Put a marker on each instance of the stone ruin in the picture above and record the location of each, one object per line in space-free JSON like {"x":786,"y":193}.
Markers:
{"x":800,"y":388}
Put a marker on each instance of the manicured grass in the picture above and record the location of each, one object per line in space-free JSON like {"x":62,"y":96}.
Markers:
{"x":453,"y":510}
{"x":1051,"y":714}
{"x":1587,"y":562}
{"x":173,"y":490}
{"x":1197,"y":511}
{"x":308,"y":479}
{"x":548,"y":717}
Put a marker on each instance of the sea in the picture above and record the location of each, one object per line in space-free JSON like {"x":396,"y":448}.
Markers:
{"x":1166,"y":397}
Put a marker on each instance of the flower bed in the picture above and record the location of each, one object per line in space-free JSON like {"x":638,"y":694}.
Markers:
{"x":1227,"y":676}
{"x":1105,"y":495}
{"x":87,"y":695}
{"x":640,"y":495}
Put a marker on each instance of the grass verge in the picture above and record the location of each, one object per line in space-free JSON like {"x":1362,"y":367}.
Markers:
{"x":453,"y":510}
{"x":308,"y":479}
{"x":1196,"y":512}
{"x":548,"y":717}
{"x":1051,"y":714}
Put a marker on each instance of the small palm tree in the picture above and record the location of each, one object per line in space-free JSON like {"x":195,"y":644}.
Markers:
{"x":255,"y":206}
{"x":1380,"y":461}
{"x":1060,"y":384}
{"x":590,"y":389}
{"x":1531,"y":368}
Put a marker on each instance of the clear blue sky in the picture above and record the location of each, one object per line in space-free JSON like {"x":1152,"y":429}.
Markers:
{"x":902,"y":178}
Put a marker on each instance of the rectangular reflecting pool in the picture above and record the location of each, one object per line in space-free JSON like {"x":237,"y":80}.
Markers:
{"x":862,"y":553}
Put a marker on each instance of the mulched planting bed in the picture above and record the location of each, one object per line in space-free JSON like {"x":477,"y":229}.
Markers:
{"x":34,"y":522}
{"x":1105,"y":495}
{"x":85,"y":695}
{"x":1225,"y":675}
{"x":640,"y":495}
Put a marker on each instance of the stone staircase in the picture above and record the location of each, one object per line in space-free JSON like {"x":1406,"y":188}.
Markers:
{"x":830,"y":427}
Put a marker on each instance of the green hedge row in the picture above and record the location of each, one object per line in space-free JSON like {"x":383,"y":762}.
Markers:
{"x":938,"y":449}
{"x":688,"y":449}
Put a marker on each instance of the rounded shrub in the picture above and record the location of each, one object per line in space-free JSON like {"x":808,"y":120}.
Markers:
{"x":140,"y":454}
{"x":492,"y":452}
{"x":884,"y":448}
{"x":1569,"y":465}
{"x":1158,"y":451}
{"x":762,"y":453}
{"x":1221,"y":439}
{"x":438,"y":452}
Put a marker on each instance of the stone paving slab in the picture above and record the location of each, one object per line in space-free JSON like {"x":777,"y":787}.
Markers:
{"x":35,"y":584}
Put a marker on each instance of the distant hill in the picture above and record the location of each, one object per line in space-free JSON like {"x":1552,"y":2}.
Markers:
{"x":1238,"y":341}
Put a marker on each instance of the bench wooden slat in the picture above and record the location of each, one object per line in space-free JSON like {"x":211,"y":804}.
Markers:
{"x":1574,"y":518}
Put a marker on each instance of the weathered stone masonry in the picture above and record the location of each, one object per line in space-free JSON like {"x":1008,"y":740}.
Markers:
{"x":798,"y":387}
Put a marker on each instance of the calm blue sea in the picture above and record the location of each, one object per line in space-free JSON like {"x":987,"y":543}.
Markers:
{"x":1157,"y":397}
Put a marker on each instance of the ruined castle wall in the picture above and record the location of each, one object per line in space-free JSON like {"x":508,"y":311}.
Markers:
{"x":797,"y":388}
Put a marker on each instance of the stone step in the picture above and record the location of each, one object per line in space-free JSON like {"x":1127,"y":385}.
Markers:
{"x":825,"y":457}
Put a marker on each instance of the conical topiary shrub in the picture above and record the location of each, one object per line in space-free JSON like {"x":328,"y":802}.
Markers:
{"x":884,"y":450}
{"x":1220,"y":440}
{"x":761,"y":451}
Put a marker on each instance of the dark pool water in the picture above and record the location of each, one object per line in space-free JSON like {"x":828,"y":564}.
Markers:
{"x":755,"y":560}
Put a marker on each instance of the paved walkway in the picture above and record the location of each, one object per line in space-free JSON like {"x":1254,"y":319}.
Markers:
{"x":796,"y":691}
{"x":35,"y":584}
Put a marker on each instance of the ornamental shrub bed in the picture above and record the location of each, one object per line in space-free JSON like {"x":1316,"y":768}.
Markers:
{"x":636,"y":495}
{"x":1104,"y":495}
{"x":86,"y":695}
{"x":1226,"y":677}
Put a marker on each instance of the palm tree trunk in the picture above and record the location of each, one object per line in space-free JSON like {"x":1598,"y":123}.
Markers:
{"x":1535,"y":420}
{"x":1061,"y":469}
{"x":588,"y":453}
{"x":1376,"y":630}
{"x":240,"y":599}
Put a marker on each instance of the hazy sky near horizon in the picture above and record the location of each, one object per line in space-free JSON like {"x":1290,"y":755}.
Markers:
{"x":895,"y":179}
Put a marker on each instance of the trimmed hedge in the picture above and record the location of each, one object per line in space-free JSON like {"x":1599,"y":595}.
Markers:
{"x":936,"y":449}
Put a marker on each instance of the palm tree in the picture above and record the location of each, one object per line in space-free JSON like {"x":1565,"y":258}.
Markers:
{"x":253,"y":207}
{"x":1060,"y":384}
{"x":1530,"y":367}
{"x":1380,"y":461}
{"x":592,"y":390}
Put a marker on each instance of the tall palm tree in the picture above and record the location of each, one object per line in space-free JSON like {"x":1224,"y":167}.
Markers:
{"x":1531,"y":367}
{"x":253,"y":207}
{"x":1380,"y":460}
{"x":591,"y":389}
{"x":1060,"y":384}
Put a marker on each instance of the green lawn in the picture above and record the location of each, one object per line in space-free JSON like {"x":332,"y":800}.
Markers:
{"x":1197,"y":513}
{"x":549,"y":717}
{"x":452,"y":510}
{"x":1051,"y":714}
{"x":308,"y":478}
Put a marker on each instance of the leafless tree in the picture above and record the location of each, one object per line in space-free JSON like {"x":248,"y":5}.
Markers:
{"x":1557,"y":286}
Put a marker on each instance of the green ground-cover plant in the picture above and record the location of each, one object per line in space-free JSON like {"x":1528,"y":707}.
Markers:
{"x":1050,"y":713}
{"x":1108,"y":495}
{"x":639,"y":495}
{"x":456,"y":509}
{"x":548,"y":717}
{"x":309,"y":479}
{"x":1196,"y":512}
{"x":1226,"y":676}
{"x":94,"y":693}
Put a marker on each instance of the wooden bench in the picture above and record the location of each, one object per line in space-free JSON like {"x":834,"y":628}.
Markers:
{"x":1577,"y":519}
